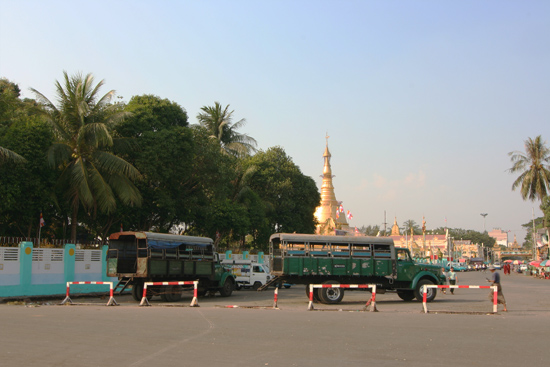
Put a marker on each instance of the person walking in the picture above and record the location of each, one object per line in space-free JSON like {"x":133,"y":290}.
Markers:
{"x":444,"y":273}
{"x":495,"y":279}
{"x":453,"y":279}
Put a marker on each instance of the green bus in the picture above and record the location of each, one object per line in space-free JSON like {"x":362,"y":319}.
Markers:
{"x":314,"y":259}
{"x":139,"y":257}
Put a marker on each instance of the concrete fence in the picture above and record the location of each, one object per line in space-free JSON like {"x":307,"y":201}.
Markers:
{"x":28,"y":271}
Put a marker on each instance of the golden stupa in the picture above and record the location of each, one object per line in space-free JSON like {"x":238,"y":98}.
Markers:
{"x":329,"y":216}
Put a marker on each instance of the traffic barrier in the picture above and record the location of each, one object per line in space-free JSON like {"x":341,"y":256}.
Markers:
{"x":111,"y":302}
{"x":195,"y":283}
{"x":425,"y":292}
{"x":275,"y":298}
{"x":371,"y":301}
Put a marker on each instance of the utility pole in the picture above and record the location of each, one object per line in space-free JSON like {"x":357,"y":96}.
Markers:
{"x":484,"y":215}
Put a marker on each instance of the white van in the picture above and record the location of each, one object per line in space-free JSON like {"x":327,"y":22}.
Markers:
{"x":248,"y":274}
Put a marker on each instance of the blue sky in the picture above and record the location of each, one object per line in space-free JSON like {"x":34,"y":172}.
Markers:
{"x":422,"y":100}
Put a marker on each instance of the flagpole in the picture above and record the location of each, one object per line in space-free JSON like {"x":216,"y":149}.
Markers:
{"x":39,"y":232}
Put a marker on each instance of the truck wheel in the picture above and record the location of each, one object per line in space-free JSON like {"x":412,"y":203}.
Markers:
{"x":331,"y":295}
{"x":430,"y":294}
{"x":227,"y":288}
{"x":171,"y":294}
{"x":256,"y":285}
{"x":315,"y":293}
{"x":406,"y":296}
{"x":137,"y":292}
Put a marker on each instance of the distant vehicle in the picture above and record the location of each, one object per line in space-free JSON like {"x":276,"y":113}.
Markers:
{"x":248,"y":274}
{"x":456,"y":266}
{"x":523,"y":267}
{"x":497,"y":265}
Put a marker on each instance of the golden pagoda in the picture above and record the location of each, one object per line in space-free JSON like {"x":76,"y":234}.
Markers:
{"x":395,"y":228}
{"x":328,"y":215}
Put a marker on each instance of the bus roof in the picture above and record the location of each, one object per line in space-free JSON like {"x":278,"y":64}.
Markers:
{"x":164,"y":240}
{"x":333,"y":239}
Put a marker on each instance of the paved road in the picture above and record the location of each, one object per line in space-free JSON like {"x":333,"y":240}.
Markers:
{"x":213,"y":335}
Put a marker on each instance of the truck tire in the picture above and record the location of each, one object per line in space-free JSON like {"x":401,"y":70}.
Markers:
{"x":315,"y":293}
{"x":430,"y":294}
{"x":331,"y":295}
{"x":256,"y":285}
{"x":171,"y":294}
{"x":406,"y":296}
{"x":227,"y":288}
{"x":137,"y":292}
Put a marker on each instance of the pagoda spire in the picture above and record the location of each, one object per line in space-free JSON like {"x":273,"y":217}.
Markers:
{"x":329,"y":209}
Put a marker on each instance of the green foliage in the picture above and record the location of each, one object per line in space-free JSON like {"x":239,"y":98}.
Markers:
{"x":290,"y":197}
{"x":218,"y":121}
{"x":91,"y":176}
{"x":150,"y":113}
{"x":411,"y":224}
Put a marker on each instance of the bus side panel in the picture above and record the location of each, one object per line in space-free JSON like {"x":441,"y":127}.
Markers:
{"x":310,"y":265}
{"x":340,"y":266}
{"x":112,"y":267}
{"x":159,"y":267}
{"x":294,"y":265}
{"x":204,"y":268}
{"x":355,"y":267}
{"x":382,"y":267}
{"x":366,"y":267}
{"x":175,"y":267}
{"x":324,"y":266}
{"x":188,"y":267}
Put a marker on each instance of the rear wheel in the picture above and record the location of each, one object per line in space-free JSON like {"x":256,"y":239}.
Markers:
{"x":256,"y":285}
{"x":137,"y":291}
{"x":331,"y":295}
{"x":315,"y":293}
{"x":406,"y":296}
{"x":430,"y":293}
{"x":171,"y":294}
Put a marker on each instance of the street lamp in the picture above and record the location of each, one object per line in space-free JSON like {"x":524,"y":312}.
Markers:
{"x":484,"y":215}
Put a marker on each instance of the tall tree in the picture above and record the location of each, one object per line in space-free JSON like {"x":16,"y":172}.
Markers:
{"x":9,"y":103}
{"x":408,"y":224}
{"x":534,"y":169}
{"x":91,"y":175}
{"x":218,"y":121}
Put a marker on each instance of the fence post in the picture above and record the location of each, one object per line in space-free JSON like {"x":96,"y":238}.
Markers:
{"x":69,"y":262}
{"x":25,"y":265}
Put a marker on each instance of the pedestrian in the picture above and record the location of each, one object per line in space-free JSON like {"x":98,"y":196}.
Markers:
{"x":453,"y":279}
{"x":444,"y":273}
{"x":495,"y":279}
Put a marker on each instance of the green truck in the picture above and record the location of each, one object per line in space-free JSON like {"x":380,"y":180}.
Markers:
{"x":314,"y":259}
{"x":139,"y":257}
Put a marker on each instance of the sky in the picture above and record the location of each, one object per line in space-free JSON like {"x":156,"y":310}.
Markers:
{"x":422,"y":100}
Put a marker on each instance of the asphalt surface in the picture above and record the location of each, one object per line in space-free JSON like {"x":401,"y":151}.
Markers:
{"x":245,"y":330}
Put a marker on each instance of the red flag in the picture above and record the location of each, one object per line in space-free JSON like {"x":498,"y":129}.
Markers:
{"x":42,"y":222}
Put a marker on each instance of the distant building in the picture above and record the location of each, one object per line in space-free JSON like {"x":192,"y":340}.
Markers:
{"x":500,"y":236}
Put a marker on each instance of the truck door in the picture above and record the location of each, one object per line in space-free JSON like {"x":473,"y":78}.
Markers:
{"x":405,"y":265}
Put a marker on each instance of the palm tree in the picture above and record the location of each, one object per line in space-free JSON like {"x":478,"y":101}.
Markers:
{"x":534,"y":166}
{"x":408,"y":224}
{"x":91,"y":175}
{"x":218,"y":121}
{"x":7,"y":155}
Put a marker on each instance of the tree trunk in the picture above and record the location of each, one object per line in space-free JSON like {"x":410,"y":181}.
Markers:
{"x":74,"y":222}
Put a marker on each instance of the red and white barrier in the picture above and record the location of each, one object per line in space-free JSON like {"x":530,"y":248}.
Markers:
{"x":425,"y":292}
{"x":275,"y":298}
{"x":371,"y":301}
{"x":195,"y":283}
{"x":111,"y":302}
